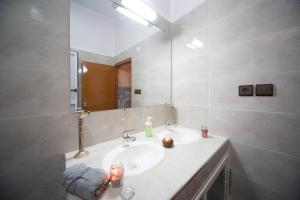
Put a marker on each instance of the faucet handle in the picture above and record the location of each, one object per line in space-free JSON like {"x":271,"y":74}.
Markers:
{"x":127,"y":138}
{"x":170,"y":125}
{"x":81,"y":110}
{"x":127,"y":131}
{"x":168,"y":122}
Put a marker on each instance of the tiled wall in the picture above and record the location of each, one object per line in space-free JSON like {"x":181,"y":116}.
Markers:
{"x":191,"y":67}
{"x":151,"y":69}
{"x":35,"y":124}
{"x":106,"y":125}
{"x":246,"y":42}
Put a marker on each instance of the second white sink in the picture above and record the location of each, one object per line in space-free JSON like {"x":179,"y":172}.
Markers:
{"x":181,"y":135}
{"x":139,"y":157}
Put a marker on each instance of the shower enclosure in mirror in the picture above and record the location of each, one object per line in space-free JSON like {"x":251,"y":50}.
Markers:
{"x":120,"y":57}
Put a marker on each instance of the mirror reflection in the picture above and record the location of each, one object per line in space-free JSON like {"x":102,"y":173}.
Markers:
{"x":120,"y":55}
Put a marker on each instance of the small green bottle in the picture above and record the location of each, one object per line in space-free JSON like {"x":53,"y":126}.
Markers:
{"x":148,"y":127}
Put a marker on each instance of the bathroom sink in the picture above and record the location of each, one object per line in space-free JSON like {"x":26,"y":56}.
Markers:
{"x":181,"y":135}
{"x":139,"y":157}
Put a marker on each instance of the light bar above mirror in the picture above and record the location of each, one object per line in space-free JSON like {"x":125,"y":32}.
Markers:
{"x":141,"y":9}
{"x":141,"y":13}
{"x":132,"y":16}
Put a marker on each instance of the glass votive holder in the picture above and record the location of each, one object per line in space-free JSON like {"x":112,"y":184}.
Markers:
{"x":204,"y":131}
{"x":127,"y":192}
{"x":116,"y":174}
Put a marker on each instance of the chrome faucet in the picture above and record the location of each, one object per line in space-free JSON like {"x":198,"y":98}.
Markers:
{"x":127,"y":138}
{"x":170,"y":125}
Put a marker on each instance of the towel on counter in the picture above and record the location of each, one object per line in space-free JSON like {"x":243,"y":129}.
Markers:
{"x":86,"y":182}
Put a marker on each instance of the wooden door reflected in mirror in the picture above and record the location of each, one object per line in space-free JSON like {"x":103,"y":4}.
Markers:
{"x":99,"y":86}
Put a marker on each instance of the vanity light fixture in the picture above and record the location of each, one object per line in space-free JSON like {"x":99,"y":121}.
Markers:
{"x":132,"y":16}
{"x":141,"y":9}
{"x":135,"y":10}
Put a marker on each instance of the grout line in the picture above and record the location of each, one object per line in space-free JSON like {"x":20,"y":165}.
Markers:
{"x":192,"y":105}
{"x":263,"y":186}
{"x":265,"y":149}
{"x":252,"y":110}
{"x":253,"y":74}
{"x":285,"y":72}
{"x":171,"y":71}
{"x":35,"y":115}
{"x":31,"y":68}
{"x":190,"y":82}
{"x":252,"y":40}
{"x":237,"y":11}
{"x":209,"y":60}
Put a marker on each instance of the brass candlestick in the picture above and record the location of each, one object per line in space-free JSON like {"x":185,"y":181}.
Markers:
{"x":81,"y":152}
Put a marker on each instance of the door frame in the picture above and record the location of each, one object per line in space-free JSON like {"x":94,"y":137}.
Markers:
{"x":76,"y":54}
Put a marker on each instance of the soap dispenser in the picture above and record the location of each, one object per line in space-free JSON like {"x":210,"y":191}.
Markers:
{"x":148,"y":127}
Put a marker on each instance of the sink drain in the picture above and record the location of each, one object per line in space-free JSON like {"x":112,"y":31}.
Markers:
{"x":134,"y":166}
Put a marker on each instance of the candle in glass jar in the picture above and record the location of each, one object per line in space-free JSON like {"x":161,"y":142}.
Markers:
{"x":204,"y":131}
{"x":116,"y":174}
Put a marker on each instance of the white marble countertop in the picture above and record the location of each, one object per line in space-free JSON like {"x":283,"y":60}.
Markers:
{"x":164,"y":180}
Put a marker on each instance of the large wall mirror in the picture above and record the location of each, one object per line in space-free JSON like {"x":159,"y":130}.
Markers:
{"x":119,"y":57}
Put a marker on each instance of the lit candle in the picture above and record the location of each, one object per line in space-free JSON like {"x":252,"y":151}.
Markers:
{"x":116,"y":174}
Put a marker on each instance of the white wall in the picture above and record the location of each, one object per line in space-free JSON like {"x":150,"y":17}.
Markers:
{"x":91,"y":31}
{"x":107,"y":34}
{"x":130,"y":33}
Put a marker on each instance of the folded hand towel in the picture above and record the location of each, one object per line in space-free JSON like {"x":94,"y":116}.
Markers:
{"x":86,"y":182}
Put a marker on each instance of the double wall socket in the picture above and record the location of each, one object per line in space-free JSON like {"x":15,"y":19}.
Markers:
{"x":260,"y":90}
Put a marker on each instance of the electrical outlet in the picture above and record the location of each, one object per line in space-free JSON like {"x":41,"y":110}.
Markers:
{"x":264,"y":90}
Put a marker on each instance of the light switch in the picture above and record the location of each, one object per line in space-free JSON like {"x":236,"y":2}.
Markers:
{"x":137,"y":91}
{"x":246,"y":90}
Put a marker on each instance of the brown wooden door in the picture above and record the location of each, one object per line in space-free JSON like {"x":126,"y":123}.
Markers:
{"x":99,"y":86}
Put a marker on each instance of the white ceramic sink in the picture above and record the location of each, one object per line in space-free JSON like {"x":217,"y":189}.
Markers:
{"x":139,"y":157}
{"x":181,"y":135}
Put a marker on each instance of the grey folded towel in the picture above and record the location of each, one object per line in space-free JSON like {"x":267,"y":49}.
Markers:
{"x":84,"y":181}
